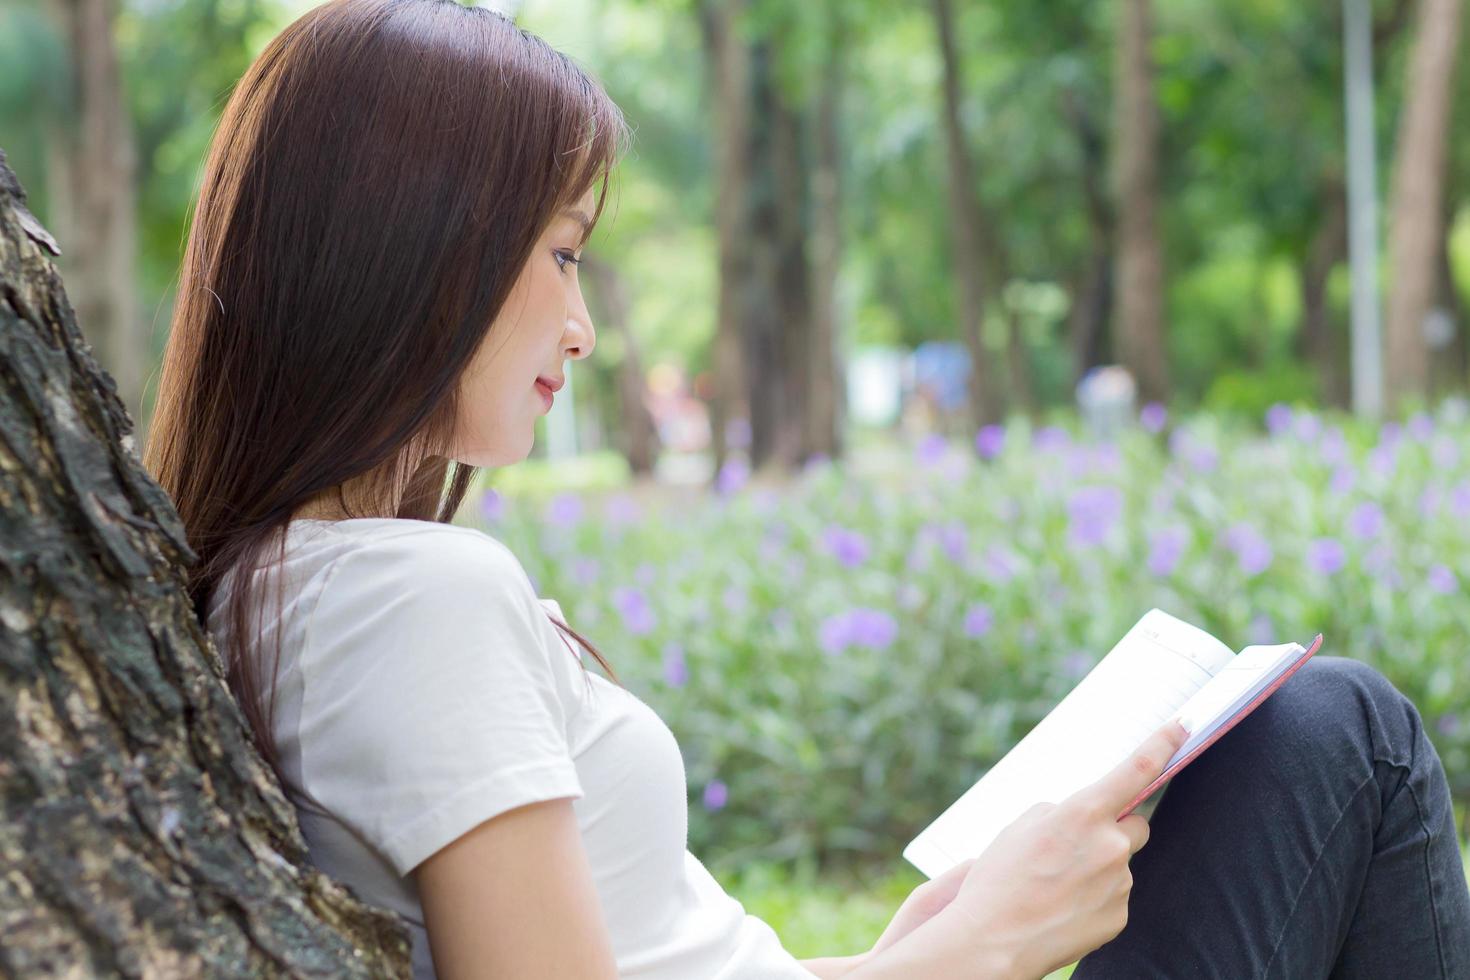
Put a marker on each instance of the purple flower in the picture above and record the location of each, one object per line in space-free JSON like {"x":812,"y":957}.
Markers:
{"x":1444,"y":453}
{"x":737,"y":600}
{"x":564,"y":509}
{"x":1430,"y":501}
{"x":918,"y":558}
{"x":1442,"y":580}
{"x":1153,"y":417}
{"x":1261,"y":630}
{"x":1092,"y":512}
{"x":676,"y":670}
{"x":1460,"y":500}
{"x":1205,"y":459}
{"x":857,"y":627}
{"x":633,"y":606}
{"x":1252,"y":550}
{"x":1278,"y":418}
{"x":931,"y":449}
{"x":716,"y":794}
{"x":585,"y":570}
{"x":732,"y":476}
{"x":1166,"y":547}
{"x":1421,"y":427}
{"x":737,"y":432}
{"x":978,"y":620}
{"x":1448,"y":725}
{"x":1001,"y":565}
{"x":1076,"y":664}
{"x":1343,"y":479}
{"x":1051,"y":438}
{"x":1382,"y":459}
{"x":847,"y":546}
{"x":1366,"y":520}
{"x":622,"y":509}
{"x":815,"y":462}
{"x":492,"y":506}
{"x":1332,"y":448}
{"x":1326,"y":556}
{"x":644,"y":574}
{"x":990,"y":440}
{"x":1306,"y":426}
{"x":955,"y":541}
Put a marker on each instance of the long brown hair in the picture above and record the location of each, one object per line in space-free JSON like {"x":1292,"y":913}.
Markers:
{"x":376,"y":182}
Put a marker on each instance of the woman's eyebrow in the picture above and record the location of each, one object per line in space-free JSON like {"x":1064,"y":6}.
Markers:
{"x":580,"y":216}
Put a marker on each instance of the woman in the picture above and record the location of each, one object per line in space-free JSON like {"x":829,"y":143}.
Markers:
{"x":378,"y":295}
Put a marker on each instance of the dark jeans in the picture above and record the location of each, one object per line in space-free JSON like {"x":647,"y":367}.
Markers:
{"x":1314,"y":840}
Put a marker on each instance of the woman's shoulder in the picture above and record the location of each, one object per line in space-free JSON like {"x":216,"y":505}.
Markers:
{"x":420,"y":558}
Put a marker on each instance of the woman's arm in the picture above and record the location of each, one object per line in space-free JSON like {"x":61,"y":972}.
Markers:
{"x":828,"y":967}
{"x":514,"y":898}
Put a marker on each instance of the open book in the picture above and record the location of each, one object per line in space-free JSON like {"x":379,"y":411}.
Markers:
{"x":1163,"y":668}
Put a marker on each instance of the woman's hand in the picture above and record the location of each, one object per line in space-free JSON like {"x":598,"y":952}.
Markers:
{"x":1054,"y":884}
{"x":923,"y":903}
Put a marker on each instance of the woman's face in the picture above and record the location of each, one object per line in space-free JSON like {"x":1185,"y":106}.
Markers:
{"x":543,"y":324}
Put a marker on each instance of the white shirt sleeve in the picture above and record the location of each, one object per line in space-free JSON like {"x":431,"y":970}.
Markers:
{"x":430,"y":703}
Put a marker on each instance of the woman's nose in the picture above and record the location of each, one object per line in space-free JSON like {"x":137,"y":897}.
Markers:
{"x":580,"y":336}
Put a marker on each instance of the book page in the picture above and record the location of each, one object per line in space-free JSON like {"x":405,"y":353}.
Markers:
{"x":1155,"y":669}
{"x":1247,"y":675}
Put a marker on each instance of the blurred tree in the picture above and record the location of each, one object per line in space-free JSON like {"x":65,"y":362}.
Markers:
{"x":826,"y":397}
{"x":973,"y":256}
{"x":1416,"y":222}
{"x":93,"y":168}
{"x":1141,"y":333}
{"x":636,"y":434}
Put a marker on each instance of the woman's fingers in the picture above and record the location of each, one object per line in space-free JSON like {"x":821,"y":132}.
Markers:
{"x":1136,"y":827}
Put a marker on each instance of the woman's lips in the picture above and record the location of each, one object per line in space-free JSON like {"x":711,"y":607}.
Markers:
{"x":542,"y":387}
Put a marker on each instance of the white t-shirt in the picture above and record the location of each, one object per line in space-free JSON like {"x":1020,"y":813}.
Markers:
{"x":423,"y":690}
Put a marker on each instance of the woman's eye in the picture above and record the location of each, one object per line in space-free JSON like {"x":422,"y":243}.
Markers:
{"x":564,"y":257}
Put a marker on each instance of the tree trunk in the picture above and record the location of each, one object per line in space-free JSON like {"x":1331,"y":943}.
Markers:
{"x":1417,"y":206}
{"x":636,"y":431}
{"x":1140,"y":330}
{"x":1450,"y":368}
{"x":825,"y":402}
{"x":141,"y":834}
{"x":728,"y":61}
{"x":93,"y":160}
{"x":793,"y":323}
{"x":761,"y":329}
{"x":966,"y":221}
{"x":1318,"y":342}
{"x":1092,"y":292}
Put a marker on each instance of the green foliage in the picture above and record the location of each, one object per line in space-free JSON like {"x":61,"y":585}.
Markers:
{"x":844,"y":752}
{"x":1247,"y":394}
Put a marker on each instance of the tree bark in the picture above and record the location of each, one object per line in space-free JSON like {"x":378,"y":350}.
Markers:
{"x":1139,"y":329}
{"x":1318,"y":342}
{"x":728,"y":72}
{"x":966,"y":221}
{"x":93,"y":160}
{"x":1092,"y":292}
{"x":792,"y":327}
{"x":140,"y":832}
{"x":825,"y":401}
{"x":1450,"y":369}
{"x":1417,"y":208}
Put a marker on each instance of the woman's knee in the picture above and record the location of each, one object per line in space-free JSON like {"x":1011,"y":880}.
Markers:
{"x":1336,"y":701}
